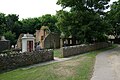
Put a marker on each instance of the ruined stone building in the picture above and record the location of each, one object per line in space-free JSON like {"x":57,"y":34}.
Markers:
{"x":47,"y":39}
{"x":19,"y":41}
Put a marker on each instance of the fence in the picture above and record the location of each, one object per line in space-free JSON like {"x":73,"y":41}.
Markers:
{"x":78,"y":49}
{"x":15,"y":60}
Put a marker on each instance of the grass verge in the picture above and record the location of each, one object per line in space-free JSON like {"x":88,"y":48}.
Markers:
{"x":78,"y":68}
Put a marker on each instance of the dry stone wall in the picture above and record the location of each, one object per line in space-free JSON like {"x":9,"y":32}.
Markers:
{"x":12,"y":61}
{"x":78,"y":49}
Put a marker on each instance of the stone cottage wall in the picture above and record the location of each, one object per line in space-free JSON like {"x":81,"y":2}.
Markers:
{"x":15,"y":60}
{"x":78,"y":49}
{"x":52,"y":41}
{"x":4,"y":45}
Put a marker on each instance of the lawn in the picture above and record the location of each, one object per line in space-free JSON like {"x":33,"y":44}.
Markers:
{"x":57,"y":53}
{"x":78,"y":68}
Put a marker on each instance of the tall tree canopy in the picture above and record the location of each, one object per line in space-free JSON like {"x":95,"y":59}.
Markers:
{"x":7,"y":25}
{"x":11,"y":19}
{"x":30,"y":25}
{"x":50,"y":21}
{"x":2,"y":23}
{"x":84,"y":20}
{"x":113,"y":17}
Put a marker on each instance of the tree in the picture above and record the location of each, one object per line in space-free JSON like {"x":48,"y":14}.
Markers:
{"x":7,"y":26}
{"x":2,"y":23}
{"x":30,"y":25}
{"x":17,"y":29}
{"x":10,"y":36}
{"x":113,"y":17}
{"x":11,"y":19}
{"x":84,"y":20}
{"x":50,"y":21}
{"x":63,"y":23}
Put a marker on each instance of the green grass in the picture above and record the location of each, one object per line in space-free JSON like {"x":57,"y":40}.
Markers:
{"x":78,"y":68}
{"x":57,"y":53}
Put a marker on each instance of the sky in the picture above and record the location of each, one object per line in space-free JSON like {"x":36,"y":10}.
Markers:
{"x":30,"y":8}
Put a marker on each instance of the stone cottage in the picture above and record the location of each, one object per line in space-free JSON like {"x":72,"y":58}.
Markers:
{"x":47,"y":39}
{"x":4,"y":44}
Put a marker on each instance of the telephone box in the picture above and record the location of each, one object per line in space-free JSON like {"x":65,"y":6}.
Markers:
{"x":28,"y":43}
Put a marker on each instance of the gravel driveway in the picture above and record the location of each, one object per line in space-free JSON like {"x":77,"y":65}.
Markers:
{"x":107,"y":65}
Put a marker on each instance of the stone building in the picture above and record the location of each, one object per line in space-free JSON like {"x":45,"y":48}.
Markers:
{"x":47,"y":39}
{"x":4,"y":44}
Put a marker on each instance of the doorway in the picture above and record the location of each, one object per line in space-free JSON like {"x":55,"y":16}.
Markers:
{"x":29,"y":46}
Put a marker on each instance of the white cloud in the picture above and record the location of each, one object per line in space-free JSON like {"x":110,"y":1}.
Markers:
{"x":29,"y":8}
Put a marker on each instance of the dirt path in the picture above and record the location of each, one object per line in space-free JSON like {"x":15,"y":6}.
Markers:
{"x":107,"y":65}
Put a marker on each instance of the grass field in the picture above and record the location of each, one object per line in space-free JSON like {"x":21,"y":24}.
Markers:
{"x":78,"y":68}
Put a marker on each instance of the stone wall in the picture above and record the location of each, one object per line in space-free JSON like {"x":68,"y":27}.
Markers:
{"x":4,"y":45}
{"x":52,"y":41}
{"x":15,"y":60}
{"x":78,"y":49}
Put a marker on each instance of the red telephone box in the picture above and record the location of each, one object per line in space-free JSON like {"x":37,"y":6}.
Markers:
{"x":29,"y":46}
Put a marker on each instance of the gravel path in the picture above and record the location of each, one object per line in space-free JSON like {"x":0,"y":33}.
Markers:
{"x":107,"y":65}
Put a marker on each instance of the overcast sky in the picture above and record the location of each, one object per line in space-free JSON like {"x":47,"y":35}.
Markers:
{"x":29,"y":8}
